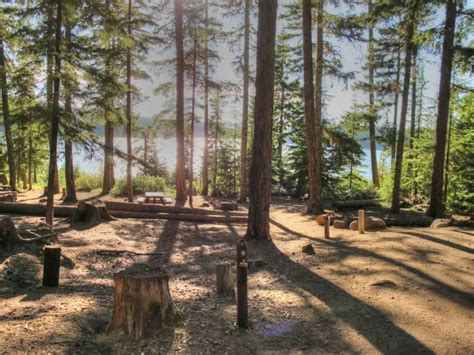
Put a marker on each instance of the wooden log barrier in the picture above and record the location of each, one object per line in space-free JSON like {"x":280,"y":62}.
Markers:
{"x":361,"y":221}
{"x":242,"y":296}
{"x":224,"y":279}
{"x":326,"y":228}
{"x":52,"y":257}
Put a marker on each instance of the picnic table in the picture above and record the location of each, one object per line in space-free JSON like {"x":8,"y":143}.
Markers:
{"x":155,"y":197}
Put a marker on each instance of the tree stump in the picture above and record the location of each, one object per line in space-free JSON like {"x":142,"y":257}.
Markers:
{"x":361,"y":221}
{"x":51,"y":265}
{"x":93,"y":213}
{"x":224,"y":279}
{"x":142,"y":302}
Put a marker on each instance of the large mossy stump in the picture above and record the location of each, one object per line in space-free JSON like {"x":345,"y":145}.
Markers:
{"x":92,"y":213}
{"x":142,"y":302}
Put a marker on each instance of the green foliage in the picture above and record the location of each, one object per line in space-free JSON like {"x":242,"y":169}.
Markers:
{"x":461,"y":177}
{"x":87,"y":182}
{"x":141,"y":184}
{"x":354,"y":186}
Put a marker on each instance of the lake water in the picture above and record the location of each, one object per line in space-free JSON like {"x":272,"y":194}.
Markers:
{"x":167,"y":154}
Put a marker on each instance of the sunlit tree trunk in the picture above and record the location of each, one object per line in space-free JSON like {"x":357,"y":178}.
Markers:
{"x":310,"y":115}
{"x":6,"y":110}
{"x":180,"y":158}
{"x":68,"y":148}
{"x":129,"y":108}
{"x":410,"y":28}
{"x":315,"y":200}
{"x":245,"y":107}
{"x":372,"y":111}
{"x":54,"y":117}
{"x":260,"y":177}
{"x":436,"y":208}
{"x":191,"y":140}
{"x":205,"y":159}
{"x":395,"y":107}
{"x":109,"y":176}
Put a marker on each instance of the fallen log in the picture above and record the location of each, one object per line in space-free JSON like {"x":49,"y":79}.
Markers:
{"x":10,"y":236}
{"x":35,"y":209}
{"x":145,"y":207}
{"x":180,"y":217}
{"x":355,"y":203}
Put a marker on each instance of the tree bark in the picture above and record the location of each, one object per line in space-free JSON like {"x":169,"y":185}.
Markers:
{"x":52,"y":171}
{"x":6,"y":111}
{"x":129,"y":107}
{"x":260,"y":181}
{"x":215,"y":190}
{"x":403,"y":113}
{"x":245,"y":107}
{"x":436,"y":208}
{"x":180,"y":158}
{"x":142,"y":302}
{"x":372,"y":110}
{"x":314,"y":201}
{"x":50,"y":77}
{"x":395,"y":108}
{"x":191,"y":140}
{"x":205,"y":159}
{"x":68,"y":148}
{"x":109,"y":176}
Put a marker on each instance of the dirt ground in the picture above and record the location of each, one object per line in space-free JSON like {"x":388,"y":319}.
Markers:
{"x":394,"y":291}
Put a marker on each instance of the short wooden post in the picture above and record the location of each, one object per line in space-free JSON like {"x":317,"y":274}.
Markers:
{"x":326,"y":227}
{"x":51,"y":261}
{"x":224,"y":279}
{"x":242,"y":297}
{"x":361,"y":222}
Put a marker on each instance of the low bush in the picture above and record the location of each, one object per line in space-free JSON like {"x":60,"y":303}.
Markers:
{"x":88,"y":182}
{"x":141,"y":184}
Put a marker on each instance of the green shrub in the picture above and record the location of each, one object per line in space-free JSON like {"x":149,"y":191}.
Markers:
{"x":88,"y":182}
{"x":141,"y":184}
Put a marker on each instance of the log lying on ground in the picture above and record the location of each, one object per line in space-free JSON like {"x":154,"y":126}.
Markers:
{"x":185,"y":214}
{"x":355,"y":203}
{"x":35,"y":209}
{"x":8,"y":196}
{"x":180,"y":217}
{"x":144,"y":207}
{"x":93,"y":212}
{"x":10,"y":236}
{"x":142,"y":302}
{"x":415,"y":221}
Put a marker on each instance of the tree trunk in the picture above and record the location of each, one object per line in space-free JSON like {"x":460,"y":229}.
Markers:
{"x":310,"y":115}
{"x":52,"y":171}
{"x":68,"y":149}
{"x":142,"y":302}
{"x":191,"y":140}
{"x":403,"y":113}
{"x":314,"y":126}
{"x":50,"y":78}
{"x":30,"y":162}
{"x":395,"y":108}
{"x":205,"y":159}
{"x":215,"y":190}
{"x":245,"y":107}
{"x":109,"y":176}
{"x":436,"y":208}
{"x":280,"y":127}
{"x":372,"y":110}
{"x":129,"y":107}
{"x":261,"y":163}
{"x":413,"y":116}
{"x":6,"y":111}
{"x":180,"y":158}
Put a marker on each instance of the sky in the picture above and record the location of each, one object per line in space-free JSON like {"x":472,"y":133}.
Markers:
{"x":341,"y":99}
